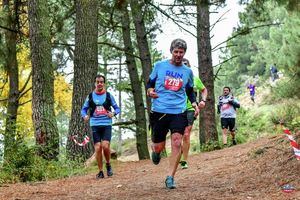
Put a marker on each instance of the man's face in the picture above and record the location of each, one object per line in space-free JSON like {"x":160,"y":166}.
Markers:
{"x":177,"y":56}
{"x":99,"y":84}
{"x":225,"y":91}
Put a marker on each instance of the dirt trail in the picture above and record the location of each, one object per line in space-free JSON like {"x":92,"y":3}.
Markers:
{"x":249,"y":171}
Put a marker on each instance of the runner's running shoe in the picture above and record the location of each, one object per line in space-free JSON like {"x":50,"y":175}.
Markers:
{"x":170,"y":183}
{"x":100,"y":175}
{"x":109,"y":169}
{"x":155,"y":158}
{"x":233,"y":141}
{"x":183,"y":164}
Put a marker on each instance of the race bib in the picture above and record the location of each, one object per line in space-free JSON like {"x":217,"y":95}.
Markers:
{"x":173,"y":84}
{"x":100,"y":110}
{"x":225,"y":106}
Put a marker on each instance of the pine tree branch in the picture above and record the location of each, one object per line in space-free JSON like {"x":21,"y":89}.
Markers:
{"x":22,"y":94}
{"x":3,"y":99}
{"x":14,"y":31}
{"x":125,"y":123}
{"x":129,"y":128}
{"x":27,"y":81}
{"x":8,"y":29}
{"x":218,"y":20}
{"x":103,"y":43}
{"x":246,"y":31}
{"x":62,"y":44}
{"x":232,"y":45}
{"x":118,"y":48}
{"x":21,"y":104}
{"x":169,"y":17}
{"x":5,"y":82}
{"x":112,"y":64}
{"x":176,"y":5}
{"x":225,"y":61}
{"x":112,"y":45}
{"x":186,"y":19}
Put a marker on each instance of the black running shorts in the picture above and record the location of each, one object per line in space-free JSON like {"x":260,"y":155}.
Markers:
{"x":101,"y":133}
{"x":161,"y":123}
{"x":228,"y":123}
{"x":190,"y":117}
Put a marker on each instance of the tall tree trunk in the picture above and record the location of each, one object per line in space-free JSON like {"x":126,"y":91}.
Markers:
{"x":85,"y":69}
{"x":138,"y":9}
{"x":120,"y":105}
{"x":207,"y":126}
{"x":140,"y":115}
{"x":11,"y":67}
{"x":45,"y":127}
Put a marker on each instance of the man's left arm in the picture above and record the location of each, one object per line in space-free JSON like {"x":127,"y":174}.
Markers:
{"x":189,"y":88}
{"x":117,"y":109}
{"x":200,"y":86}
{"x":235,"y":103}
{"x":202,"y":103}
{"x":190,"y":93}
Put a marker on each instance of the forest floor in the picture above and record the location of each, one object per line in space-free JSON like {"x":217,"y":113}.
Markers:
{"x":256,"y":170}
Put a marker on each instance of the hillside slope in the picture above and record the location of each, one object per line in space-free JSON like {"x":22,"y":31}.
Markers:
{"x":255,"y":170}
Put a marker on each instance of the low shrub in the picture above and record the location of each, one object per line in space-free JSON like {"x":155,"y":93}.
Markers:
{"x":24,"y":165}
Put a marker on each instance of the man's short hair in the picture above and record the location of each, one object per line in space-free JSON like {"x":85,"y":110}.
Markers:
{"x":178,"y":43}
{"x":227,"y":88}
{"x":99,"y":76}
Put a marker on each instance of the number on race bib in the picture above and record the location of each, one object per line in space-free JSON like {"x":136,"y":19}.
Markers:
{"x":173,"y":84}
{"x":100,"y":110}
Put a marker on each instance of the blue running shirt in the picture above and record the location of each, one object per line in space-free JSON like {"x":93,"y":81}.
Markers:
{"x":99,"y":117}
{"x":170,"y":84}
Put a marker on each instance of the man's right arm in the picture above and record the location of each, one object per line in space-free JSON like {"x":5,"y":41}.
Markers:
{"x":84,"y":109}
{"x":219,"y":109}
{"x":151,"y":89}
{"x":151,"y":83}
{"x":219,"y":106}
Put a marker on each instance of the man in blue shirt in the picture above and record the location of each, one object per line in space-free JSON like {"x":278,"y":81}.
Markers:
{"x":169,"y":83}
{"x":97,"y":109}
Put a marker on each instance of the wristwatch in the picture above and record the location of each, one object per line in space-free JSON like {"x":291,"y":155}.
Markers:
{"x":203,"y":100}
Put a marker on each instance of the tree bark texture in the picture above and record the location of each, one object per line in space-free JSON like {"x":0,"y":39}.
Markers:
{"x":136,"y":86}
{"x":138,"y":9}
{"x":45,"y":127}
{"x":85,"y":69}
{"x":119,"y":149}
{"x":207,"y":125}
{"x":11,"y":67}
